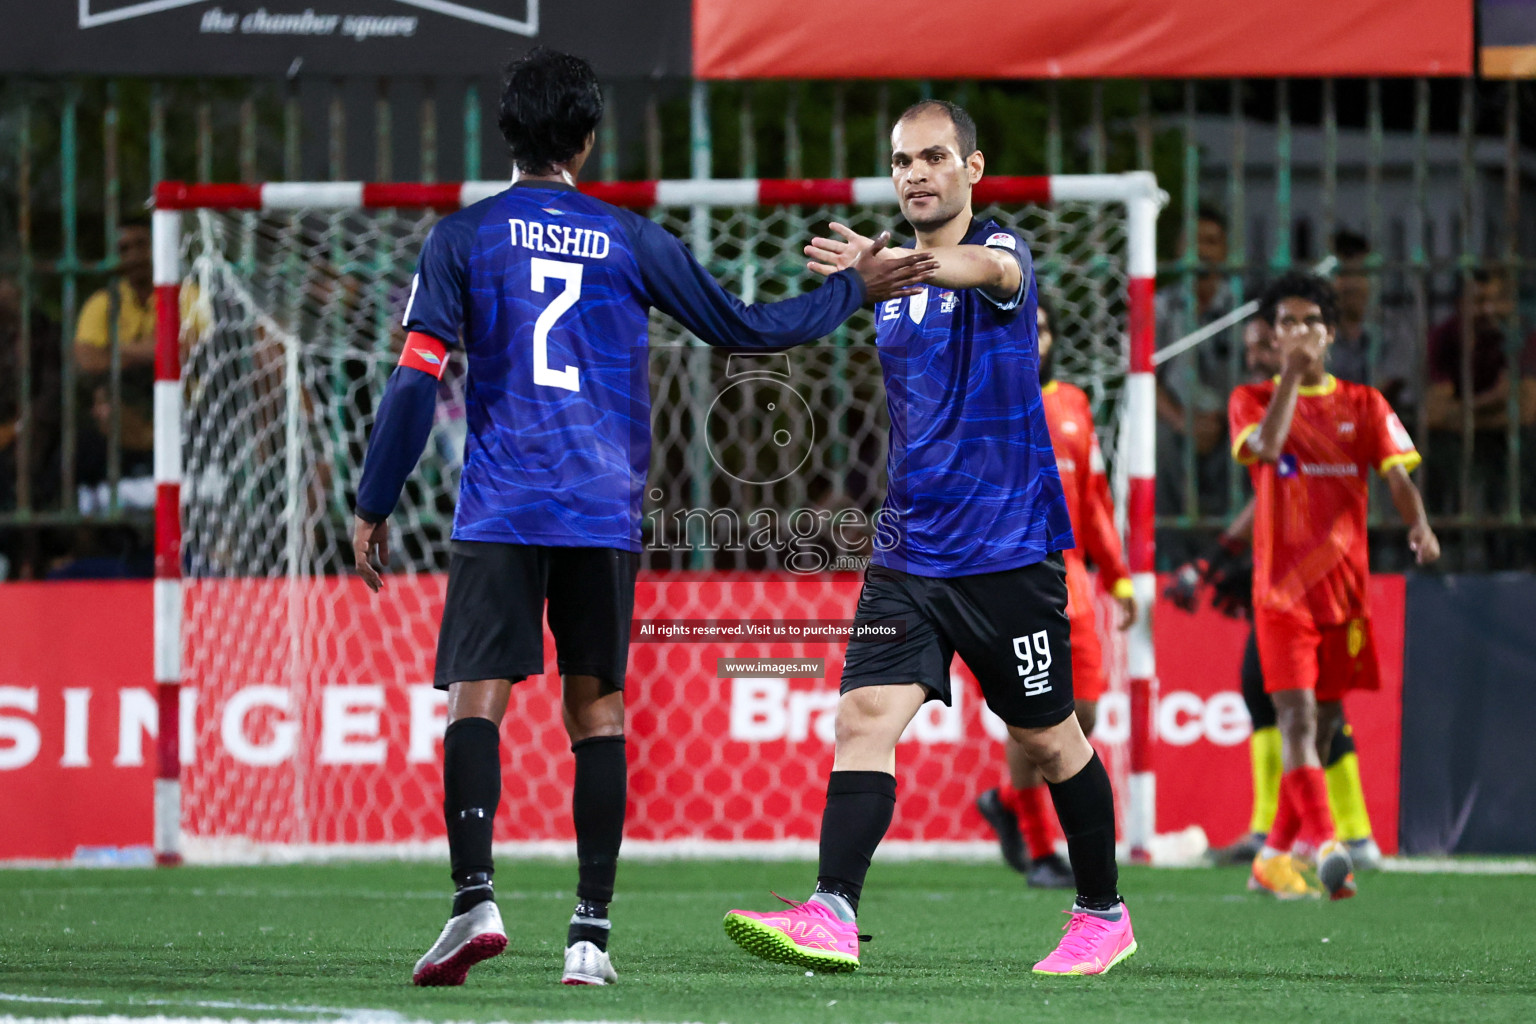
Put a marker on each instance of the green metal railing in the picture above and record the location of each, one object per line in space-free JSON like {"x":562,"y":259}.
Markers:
{"x":1442,"y":165}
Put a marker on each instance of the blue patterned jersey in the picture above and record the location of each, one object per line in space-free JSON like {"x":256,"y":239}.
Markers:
{"x":547,"y":290}
{"x":972,"y":485}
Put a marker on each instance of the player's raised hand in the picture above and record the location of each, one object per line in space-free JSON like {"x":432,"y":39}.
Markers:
{"x":370,"y":551}
{"x":829,"y":255}
{"x":891,"y":278}
{"x":1424,"y":544}
{"x":1301,"y":345}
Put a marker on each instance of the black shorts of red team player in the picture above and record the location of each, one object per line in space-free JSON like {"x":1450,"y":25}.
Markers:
{"x":1010,"y":628}
{"x":493,"y":618}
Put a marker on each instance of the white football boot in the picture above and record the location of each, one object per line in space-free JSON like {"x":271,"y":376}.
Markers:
{"x":585,"y":964}
{"x":473,"y":936}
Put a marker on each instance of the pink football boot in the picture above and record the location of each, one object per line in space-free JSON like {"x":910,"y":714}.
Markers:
{"x":1092,"y":945}
{"x":804,"y":934}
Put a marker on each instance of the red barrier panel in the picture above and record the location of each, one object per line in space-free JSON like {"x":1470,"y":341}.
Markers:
{"x":77,"y":717}
{"x":346,"y":748}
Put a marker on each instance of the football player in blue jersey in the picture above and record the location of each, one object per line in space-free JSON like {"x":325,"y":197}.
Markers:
{"x":546,"y":292}
{"x":967,"y":558}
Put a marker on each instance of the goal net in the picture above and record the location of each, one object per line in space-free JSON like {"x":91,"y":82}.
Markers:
{"x":308,"y":719}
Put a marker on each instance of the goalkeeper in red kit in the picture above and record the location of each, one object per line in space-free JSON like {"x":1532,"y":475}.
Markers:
{"x":1310,"y":441}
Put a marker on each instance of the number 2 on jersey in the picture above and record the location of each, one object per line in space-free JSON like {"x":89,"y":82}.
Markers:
{"x":570,"y":275}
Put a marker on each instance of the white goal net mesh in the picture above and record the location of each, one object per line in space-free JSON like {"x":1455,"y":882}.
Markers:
{"x":314,"y":719}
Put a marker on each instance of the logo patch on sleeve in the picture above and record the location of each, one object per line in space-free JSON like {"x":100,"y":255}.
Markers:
{"x":425,"y":353}
{"x":1003,"y":239}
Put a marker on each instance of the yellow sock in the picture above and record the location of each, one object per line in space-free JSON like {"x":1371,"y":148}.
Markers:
{"x":1347,"y":800}
{"x":1264,"y":751}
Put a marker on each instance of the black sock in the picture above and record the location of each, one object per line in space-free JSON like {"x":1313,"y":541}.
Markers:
{"x":589,"y":924}
{"x":859,"y":809}
{"x":597,"y":806}
{"x":1085,"y":805}
{"x":473,"y":891}
{"x":471,"y":793}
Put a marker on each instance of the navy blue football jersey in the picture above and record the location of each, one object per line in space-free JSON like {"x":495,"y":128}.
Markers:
{"x":547,"y":290}
{"x":972,"y":480}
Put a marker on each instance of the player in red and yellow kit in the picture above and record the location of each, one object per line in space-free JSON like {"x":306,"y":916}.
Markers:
{"x":1310,"y":441}
{"x":1020,"y":809}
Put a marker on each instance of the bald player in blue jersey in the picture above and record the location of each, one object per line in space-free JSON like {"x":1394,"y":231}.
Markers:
{"x":967,"y":557}
{"x":546,"y":293}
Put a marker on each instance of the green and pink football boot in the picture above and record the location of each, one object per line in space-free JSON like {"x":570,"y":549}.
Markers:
{"x":804,"y":934}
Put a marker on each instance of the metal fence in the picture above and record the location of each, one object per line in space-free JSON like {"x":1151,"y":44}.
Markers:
{"x":1433,"y":173}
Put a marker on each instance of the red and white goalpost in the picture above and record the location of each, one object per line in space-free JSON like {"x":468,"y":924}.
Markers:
{"x":294,"y":708}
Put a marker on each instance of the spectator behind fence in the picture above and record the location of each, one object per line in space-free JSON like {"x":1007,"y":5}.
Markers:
{"x":38,"y":433}
{"x":1379,"y":354}
{"x":1192,"y":387}
{"x":1487,"y":302}
{"x":129,"y":304}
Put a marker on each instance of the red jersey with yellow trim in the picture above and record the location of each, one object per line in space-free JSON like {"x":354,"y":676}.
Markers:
{"x":1309,"y":536}
{"x":1089,"y":506}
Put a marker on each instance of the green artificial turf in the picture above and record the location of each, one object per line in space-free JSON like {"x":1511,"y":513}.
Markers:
{"x":952,"y":942}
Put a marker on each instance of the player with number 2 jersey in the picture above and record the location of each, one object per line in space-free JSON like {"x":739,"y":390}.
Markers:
{"x":546,"y":292}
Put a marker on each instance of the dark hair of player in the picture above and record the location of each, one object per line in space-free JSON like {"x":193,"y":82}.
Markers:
{"x":1049,"y":312}
{"x":965,"y":128}
{"x":1348,"y":245}
{"x":550,"y":104}
{"x":1048,"y":361}
{"x":134,"y":220}
{"x":1299,"y":285}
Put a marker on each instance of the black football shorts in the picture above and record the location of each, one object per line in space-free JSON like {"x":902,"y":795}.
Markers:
{"x":493,"y":619}
{"x":1010,"y":628}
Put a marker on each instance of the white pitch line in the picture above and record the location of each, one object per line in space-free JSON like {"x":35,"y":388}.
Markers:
{"x":338,"y":1014}
{"x":346,"y":1012}
{"x":1457,"y":866}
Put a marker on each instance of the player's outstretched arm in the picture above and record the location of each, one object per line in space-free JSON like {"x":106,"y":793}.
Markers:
{"x":400,"y":432}
{"x":677,"y":285}
{"x":995,"y":271}
{"x":1410,"y":507}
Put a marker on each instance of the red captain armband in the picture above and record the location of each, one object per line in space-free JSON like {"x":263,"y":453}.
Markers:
{"x":425,"y":353}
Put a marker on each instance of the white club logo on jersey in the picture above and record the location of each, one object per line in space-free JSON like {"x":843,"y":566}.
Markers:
{"x":1398,"y":433}
{"x":1003,"y":240}
{"x":917,"y":305}
{"x":1034,"y":654}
